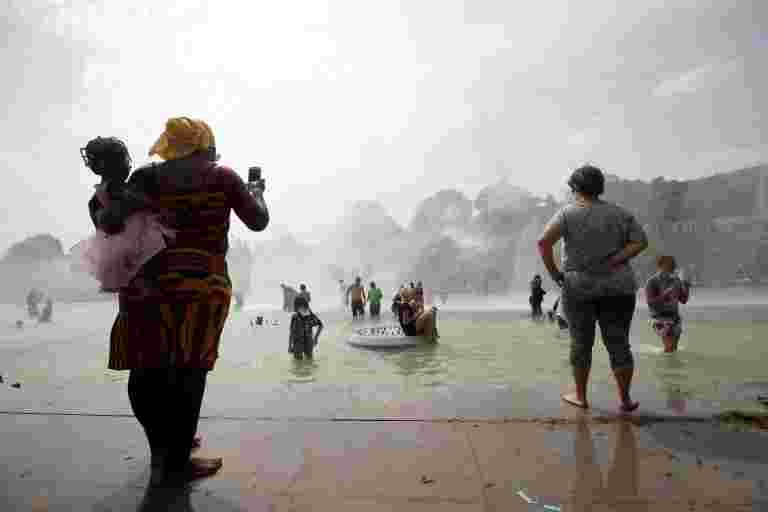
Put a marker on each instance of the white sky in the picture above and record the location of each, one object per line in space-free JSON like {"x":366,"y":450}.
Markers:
{"x":343,"y":100}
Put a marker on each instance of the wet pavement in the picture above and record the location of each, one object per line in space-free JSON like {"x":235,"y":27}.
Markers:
{"x":578,"y":462}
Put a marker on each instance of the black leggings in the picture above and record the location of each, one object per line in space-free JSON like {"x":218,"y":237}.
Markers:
{"x":167,"y":404}
{"x":614,"y":314}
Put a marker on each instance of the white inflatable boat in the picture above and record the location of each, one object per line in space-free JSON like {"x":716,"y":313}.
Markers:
{"x":390,"y":336}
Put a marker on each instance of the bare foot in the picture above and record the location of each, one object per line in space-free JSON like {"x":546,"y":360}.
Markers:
{"x":196,"y":469}
{"x":573,"y":399}
{"x":628,"y":407}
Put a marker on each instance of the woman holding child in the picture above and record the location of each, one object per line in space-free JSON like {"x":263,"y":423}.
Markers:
{"x":173,"y":306}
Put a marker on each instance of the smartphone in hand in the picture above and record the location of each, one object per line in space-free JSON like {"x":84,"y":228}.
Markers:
{"x":255,"y":181}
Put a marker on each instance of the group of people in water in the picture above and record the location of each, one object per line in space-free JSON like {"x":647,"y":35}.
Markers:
{"x":408,"y":307}
{"x":356,"y":297}
{"x":161,"y":240}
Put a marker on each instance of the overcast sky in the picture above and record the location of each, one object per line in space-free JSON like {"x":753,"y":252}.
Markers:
{"x":342,"y":100}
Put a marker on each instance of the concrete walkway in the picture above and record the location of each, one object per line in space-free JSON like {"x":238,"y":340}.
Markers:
{"x":577,"y":464}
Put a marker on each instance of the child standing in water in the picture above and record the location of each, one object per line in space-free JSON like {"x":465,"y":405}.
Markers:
{"x":301,"y":340}
{"x":115,"y":259}
{"x":664,"y":291}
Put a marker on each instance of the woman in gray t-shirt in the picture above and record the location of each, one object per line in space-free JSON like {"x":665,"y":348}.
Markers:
{"x":599,"y":286}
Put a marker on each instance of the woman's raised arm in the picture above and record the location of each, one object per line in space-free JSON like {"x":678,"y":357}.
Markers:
{"x":247,"y":201}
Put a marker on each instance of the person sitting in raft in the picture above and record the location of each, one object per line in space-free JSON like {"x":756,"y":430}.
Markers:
{"x":415,"y":319}
{"x":664,"y":291}
{"x":301,"y":341}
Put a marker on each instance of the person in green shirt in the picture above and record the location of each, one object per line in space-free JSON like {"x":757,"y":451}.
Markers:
{"x":374,"y":297}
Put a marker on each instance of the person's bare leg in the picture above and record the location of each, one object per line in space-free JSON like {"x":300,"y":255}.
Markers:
{"x":669,"y":344}
{"x":578,"y":397}
{"x":623,"y":384}
{"x":675,"y":342}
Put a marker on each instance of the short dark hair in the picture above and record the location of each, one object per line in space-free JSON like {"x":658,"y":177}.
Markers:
{"x":666,"y":258}
{"x":108,"y":157}
{"x":588,"y":180}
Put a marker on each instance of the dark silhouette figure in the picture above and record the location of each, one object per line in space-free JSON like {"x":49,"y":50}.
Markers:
{"x":47,"y":312}
{"x":537,"y":296}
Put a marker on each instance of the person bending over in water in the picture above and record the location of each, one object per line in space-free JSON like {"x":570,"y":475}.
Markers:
{"x":598,"y":285}
{"x":664,"y":291}
{"x":301,"y":340}
{"x":356,"y":293}
{"x":537,"y":296}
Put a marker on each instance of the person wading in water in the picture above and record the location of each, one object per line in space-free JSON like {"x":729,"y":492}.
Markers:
{"x":664,"y":291}
{"x":356,"y":294}
{"x":374,"y":297}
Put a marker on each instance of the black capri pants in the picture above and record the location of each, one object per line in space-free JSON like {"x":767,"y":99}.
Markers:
{"x":613,"y":314}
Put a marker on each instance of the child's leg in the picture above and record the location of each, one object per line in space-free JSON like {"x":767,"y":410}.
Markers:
{"x":669,"y":344}
{"x":676,"y":333}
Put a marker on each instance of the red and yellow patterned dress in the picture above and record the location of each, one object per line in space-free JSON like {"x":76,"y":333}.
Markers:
{"x":172,"y":313}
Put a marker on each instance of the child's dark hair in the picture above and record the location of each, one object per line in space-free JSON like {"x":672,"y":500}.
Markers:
{"x":107,"y":157}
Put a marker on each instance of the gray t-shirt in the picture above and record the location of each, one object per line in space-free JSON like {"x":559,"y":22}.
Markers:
{"x":657,"y":284}
{"x":591,"y":235}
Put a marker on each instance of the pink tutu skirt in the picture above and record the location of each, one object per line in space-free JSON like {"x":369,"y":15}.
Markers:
{"x":114,"y":260}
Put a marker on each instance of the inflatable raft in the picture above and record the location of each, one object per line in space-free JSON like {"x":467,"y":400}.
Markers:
{"x":389,"y":336}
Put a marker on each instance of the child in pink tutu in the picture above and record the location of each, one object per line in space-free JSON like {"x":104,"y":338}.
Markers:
{"x":115,"y":259}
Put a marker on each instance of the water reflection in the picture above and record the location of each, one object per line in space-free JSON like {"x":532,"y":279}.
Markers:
{"x":671,"y":372}
{"x":621,"y":482}
{"x":303,"y":371}
{"x":421,"y":360}
{"x":136,"y":497}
